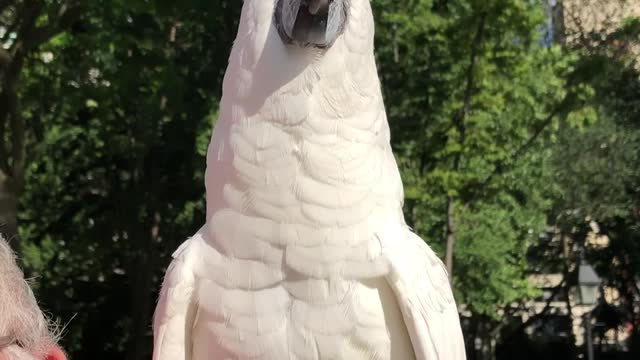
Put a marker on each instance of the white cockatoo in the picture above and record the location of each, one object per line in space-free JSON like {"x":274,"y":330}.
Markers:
{"x":305,"y":253}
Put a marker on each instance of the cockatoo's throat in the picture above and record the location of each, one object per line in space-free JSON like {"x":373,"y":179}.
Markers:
{"x":310,"y":23}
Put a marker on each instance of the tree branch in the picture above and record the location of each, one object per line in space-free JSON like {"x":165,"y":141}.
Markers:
{"x":4,"y":165}
{"x":451,"y":236}
{"x":501,"y":167}
{"x":10,"y":115}
{"x":476,"y":45}
{"x":537,"y":316}
{"x":68,"y":13}
{"x":441,"y":6}
{"x":5,"y":59}
{"x":17,"y":20}
{"x":4,"y":4}
{"x":459,"y":123}
{"x":18,"y":149}
{"x":30,"y":37}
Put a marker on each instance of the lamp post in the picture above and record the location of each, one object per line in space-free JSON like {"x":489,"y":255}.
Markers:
{"x":588,"y":286}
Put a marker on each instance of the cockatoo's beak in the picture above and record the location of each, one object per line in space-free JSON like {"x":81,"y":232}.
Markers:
{"x":311,"y":23}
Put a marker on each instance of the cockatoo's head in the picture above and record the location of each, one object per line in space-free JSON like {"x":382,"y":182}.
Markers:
{"x":311,"y":23}
{"x":299,"y":46}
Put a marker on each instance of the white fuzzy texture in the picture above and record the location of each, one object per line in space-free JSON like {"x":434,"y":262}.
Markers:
{"x":305,"y":254}
{"x":21,"y":320}
{"x":15,"y":352}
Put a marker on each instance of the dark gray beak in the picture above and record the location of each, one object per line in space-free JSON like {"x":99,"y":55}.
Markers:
{"x":311,"y":23}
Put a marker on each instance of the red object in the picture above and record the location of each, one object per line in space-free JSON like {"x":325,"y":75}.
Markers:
{"x":55,"y":354}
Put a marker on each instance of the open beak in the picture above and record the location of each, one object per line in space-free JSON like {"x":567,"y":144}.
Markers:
{"x":318,"y":7}
{"x":311,"y":23}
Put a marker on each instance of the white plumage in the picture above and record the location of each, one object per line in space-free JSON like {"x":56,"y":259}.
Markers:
{"x":305,"y":253}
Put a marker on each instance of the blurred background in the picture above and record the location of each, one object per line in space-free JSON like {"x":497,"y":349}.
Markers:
{"x":516,"y":125}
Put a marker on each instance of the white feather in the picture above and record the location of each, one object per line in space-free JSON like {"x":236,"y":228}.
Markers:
{"x":424,"y":295}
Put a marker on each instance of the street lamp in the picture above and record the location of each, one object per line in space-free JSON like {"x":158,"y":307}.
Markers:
{"x":588,"y":286}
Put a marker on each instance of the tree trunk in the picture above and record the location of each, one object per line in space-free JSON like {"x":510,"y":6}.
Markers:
{"x":13,"y":159}
{"x":451,"y":237}
{"x":141,"y":299}
{"x":8,"y":211}
{"x":138,"y":348}
{"x":459,"y":122}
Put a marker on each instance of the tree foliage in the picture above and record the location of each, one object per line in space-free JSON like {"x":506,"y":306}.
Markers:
{"x":124,"y":105}
{"x":470,"y":92}
{"x":598,"y":168}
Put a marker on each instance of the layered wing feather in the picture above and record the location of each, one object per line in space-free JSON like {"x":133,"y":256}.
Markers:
{"x":424,"y":295}
{"x":176,"y":309}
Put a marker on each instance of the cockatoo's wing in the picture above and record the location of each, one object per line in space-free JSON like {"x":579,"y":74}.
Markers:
{"x":420,"y":282}
{"x":176,"y":309}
